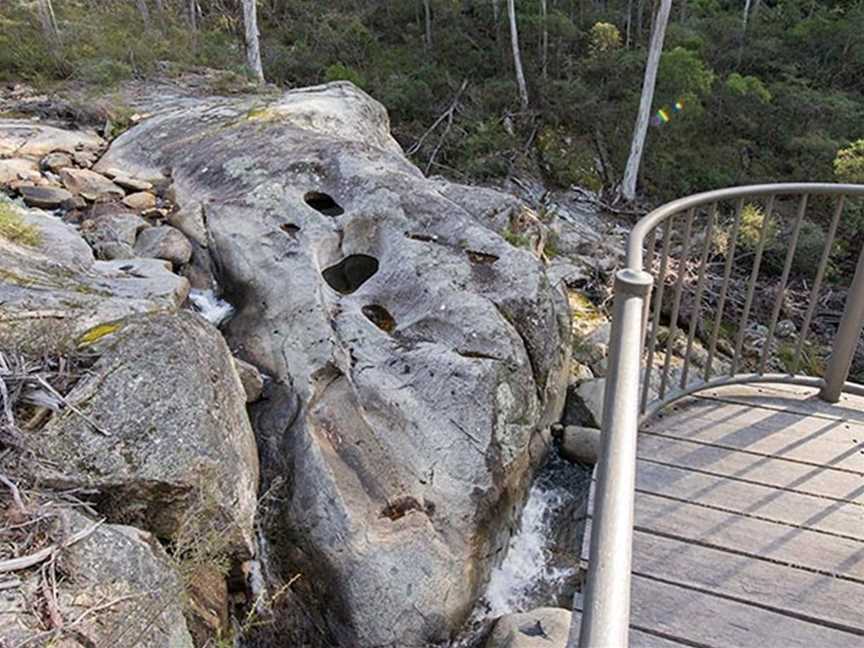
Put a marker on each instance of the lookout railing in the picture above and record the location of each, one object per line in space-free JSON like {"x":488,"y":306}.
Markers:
{"x":692,"y":283}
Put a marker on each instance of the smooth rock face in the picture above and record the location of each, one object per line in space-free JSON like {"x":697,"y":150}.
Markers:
{"x":55,"y":161}
{"x":584,"y":405}
{"x":119,"y":227}
{"x":34,"y":141}
{"x":415,"y":354}
{"x":56,"y":291}
{"x":176,"y":448}
{"x":18,"y":169}
{"x":164,"y":242}
{"x":580,"y":444}
{"x":90,"y":185}
{"x":540,"y":628}
{"x":140,"y":200}
{"x":253,"y":383}
{"x":117,"y":564}
{"x":45,"y":197}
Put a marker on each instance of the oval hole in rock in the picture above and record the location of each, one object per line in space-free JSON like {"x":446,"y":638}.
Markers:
{"x":350,"y":273}
{"x":380,"y":317}
{"x":289,"y":228}
{"x":323,"y":203}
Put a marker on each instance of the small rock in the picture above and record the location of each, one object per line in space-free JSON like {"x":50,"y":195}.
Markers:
{"x":189,"y":219}
{"x":18,"y":169}
{"x":45,"y":197}
{"x":90,"y":185}
{"x":786,"y":329}
{"x":55,"y":161}
{"x":253,"y":383}
{"x":580,"y":444}
{"x":140,"y":200}
{"x":164,"y":242}
{"x":584,"y":405}
{"x":132,"y":184}
{"x":84,"y":159}
{"x":540,"y":628}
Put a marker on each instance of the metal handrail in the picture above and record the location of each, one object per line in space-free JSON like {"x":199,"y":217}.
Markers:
{"x":606,"y":599}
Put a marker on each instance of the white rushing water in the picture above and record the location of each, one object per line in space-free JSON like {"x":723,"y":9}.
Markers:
{"x":212,"y":308}
{"x":526,"y":574}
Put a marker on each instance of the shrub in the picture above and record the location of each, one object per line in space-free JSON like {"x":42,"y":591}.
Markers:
{"x":13,"y":228}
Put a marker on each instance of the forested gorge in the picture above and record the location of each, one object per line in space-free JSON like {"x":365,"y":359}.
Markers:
{"x":747,"y":91}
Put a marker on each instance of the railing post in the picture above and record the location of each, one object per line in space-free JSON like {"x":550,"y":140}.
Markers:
{"x":606,"y":600}
{"x":846,"y":341}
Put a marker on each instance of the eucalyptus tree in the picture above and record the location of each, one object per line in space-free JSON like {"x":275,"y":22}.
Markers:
{"x":253,"y":49}
{"x":640,"y":132}
{"x":517,"y":54}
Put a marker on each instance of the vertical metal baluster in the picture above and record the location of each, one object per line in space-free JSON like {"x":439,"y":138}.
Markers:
{"x":754,"y":275}
{"x":700,"y":288}
{"x":658,"y":307}
{"x":651,"y":247}
{"x":784,"y":279}
{"x":724,"y":290}
{"x":676,"y":304}
{"x":817,"y":284}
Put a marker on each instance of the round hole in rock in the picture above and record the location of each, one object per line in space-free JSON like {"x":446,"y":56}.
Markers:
{"x":350,"y":273}
{"x":323,"y":203}
{"x":380,"y":317}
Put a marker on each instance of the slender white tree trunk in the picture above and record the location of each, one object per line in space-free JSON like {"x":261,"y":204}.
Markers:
{"x":193,"y":15}
{"x":629,"y":23}
{"x":49,"y":21}
{"x":517,"y":55}
{"x":253,"y":51}
{"x":144,"y":11}
{"x":544,"y":39}
{"x":637,"y":146}
{"x":746,"y":17}
{"x":427,"y":16}
{"x":495,"y":10}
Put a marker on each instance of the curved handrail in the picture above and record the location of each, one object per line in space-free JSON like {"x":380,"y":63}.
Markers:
{"x":606,"y":599}
{"x":639,"y":233}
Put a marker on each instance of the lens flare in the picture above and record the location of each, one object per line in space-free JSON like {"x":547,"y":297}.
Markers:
{"x":663,"y":116}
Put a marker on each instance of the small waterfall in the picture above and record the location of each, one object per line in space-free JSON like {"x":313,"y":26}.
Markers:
{"x":528,"y":572}
{"x":215,"y":310}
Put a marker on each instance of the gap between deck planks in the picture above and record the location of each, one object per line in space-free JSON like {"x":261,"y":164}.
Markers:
{"x":736,"y":547}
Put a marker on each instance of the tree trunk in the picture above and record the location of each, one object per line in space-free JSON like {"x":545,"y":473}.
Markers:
{"x":495,"y":10}
{"x":631,"y":171}
{"x":253,"y":51}
{"x":629,"y":24}
{"x":145,"y":12}
{"x":640,"y":11}
{"x":193,"y":16}
{"x":544,"y":39}
{"x":427,"y":17}
{"x":745,"y":19}
{"x":517,"y":55}
{"x":49,"y":25}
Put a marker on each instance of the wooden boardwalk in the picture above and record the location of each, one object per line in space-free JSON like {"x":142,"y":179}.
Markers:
{"x":749,"y":526}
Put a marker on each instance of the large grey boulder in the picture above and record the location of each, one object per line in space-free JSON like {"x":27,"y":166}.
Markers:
{"x":417,"y":357}
{"x":54,"y":292}
{"x":118,"y":588}
{"x":159,"y":429}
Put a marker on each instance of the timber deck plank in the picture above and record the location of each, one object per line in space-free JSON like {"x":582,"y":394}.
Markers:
{"x":749,"y":525}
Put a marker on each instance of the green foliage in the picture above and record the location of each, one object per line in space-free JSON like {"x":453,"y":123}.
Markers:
{"x":604,"y":37}
{"x":748,"y":85}
{"x":849,"y":163}
{"x":341,"y":72}
{"x":14,"y":229}
{"x":568,"y":160}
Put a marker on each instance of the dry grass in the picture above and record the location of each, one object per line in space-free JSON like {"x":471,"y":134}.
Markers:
{"x":14,"y":229}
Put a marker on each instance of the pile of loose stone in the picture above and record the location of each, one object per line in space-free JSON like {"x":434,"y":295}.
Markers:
{"x":119,"y":215}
